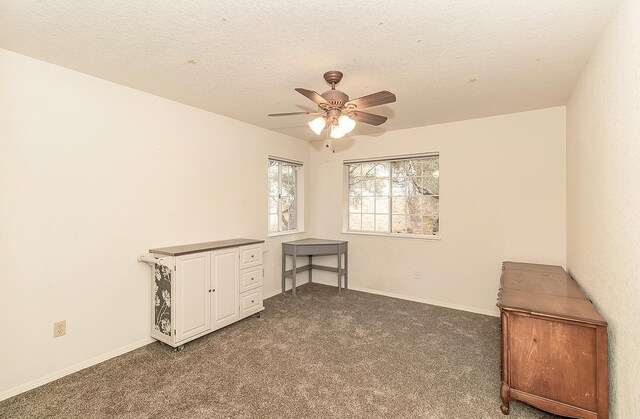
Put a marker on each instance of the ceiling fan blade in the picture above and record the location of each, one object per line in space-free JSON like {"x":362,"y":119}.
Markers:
{"x":368,"y":118}
{"x":290,"y":113}
{"x":314,"y":96}
{"x":374,"y":99}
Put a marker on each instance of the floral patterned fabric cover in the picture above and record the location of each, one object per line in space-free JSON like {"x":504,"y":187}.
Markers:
{"x":163,"y":300}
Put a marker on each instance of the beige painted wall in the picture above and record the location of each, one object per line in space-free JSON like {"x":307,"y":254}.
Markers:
{"x":92,"y":174}
{"x":603,"y":197}
{"x":502,"y":186}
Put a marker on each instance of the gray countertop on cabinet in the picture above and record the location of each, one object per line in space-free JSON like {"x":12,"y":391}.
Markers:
{"x":186,"y":249}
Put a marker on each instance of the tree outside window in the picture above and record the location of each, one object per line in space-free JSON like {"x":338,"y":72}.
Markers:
{"x":394,"y":196}
{"x":283,"y":186}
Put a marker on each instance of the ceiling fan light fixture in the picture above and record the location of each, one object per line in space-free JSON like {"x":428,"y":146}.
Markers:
{"x":338,"y":111}
{"x":346,"y":124}
{"x":317,"y":124}
{"x":336,"y":131}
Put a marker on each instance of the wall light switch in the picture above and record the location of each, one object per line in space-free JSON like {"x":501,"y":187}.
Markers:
{"x":417,"y":274}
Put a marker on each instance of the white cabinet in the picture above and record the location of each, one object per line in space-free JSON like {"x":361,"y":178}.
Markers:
{"x":210,"y":286}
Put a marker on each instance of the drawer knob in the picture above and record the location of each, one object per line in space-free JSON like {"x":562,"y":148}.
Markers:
{"x":252,"y":278}
{"x":252,"y":255}
{"x":252,"y":301}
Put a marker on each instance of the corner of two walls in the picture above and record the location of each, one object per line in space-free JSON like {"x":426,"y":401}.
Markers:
{"x":603,"y":197}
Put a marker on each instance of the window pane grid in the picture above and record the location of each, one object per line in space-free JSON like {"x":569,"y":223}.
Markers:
{"x":368,"y":197}
{"x":282,"y":212}
{"x":395,"y":197}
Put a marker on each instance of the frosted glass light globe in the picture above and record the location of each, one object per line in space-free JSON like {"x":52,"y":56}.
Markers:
{"x":317,"y":125}
{"x":336,"y":131}
{"x":346,"y":124}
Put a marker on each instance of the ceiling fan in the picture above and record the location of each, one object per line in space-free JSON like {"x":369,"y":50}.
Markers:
{"x":337,"y":111}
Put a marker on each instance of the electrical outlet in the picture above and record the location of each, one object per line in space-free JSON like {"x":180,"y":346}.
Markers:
{"x":59,"y":329}
{"x":417,"y":274}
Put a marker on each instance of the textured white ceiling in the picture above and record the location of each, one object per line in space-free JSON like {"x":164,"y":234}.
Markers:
{"x":446,"y":60}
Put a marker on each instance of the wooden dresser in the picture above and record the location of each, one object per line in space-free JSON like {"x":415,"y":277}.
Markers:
{"x":554,"y":343}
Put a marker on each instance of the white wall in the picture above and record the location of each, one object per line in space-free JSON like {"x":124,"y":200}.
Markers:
{"x":92,"y":174}
{"x":603,"y":197}
{"x":502,"y":186}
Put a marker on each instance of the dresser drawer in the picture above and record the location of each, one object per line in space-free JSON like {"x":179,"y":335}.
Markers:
{"x":250,"y":256}
{"x":251,"y":301}
{"x":250,"y":278}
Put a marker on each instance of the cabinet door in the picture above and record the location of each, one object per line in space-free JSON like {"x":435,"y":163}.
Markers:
{"x":225,"y":307}
{"x":193,"y":301}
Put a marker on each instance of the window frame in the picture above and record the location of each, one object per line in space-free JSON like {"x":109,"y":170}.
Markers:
{"x":389,"y":232}
{"x":297,"y":167}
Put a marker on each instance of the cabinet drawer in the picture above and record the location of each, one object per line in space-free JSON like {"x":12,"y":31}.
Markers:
{"x":250,"y":278}
{"x":250,"y":256}
{"x":251,"y":301}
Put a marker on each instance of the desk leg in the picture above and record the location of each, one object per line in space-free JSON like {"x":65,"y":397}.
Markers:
{"x":346,"y":268}
{"x":294,"y":273}
{"x":310,"y":270}
{"x":284,"y":268}
{"x":339,"y":270}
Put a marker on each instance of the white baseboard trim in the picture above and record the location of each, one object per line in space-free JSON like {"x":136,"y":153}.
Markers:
{"x":494,"y":313}
{"x":270,"y":294}
{"x":14,"y":391}
{"x":428,"y":301}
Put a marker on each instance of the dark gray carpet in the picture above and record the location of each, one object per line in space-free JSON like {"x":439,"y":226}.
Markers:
{"x":320,"y":355}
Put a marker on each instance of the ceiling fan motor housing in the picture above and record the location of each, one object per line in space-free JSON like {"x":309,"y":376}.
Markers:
{"x":336,"y":98}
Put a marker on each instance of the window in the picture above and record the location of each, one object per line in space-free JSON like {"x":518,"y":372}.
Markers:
{"x":394,"y":196}
{"x":283,"y":194}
